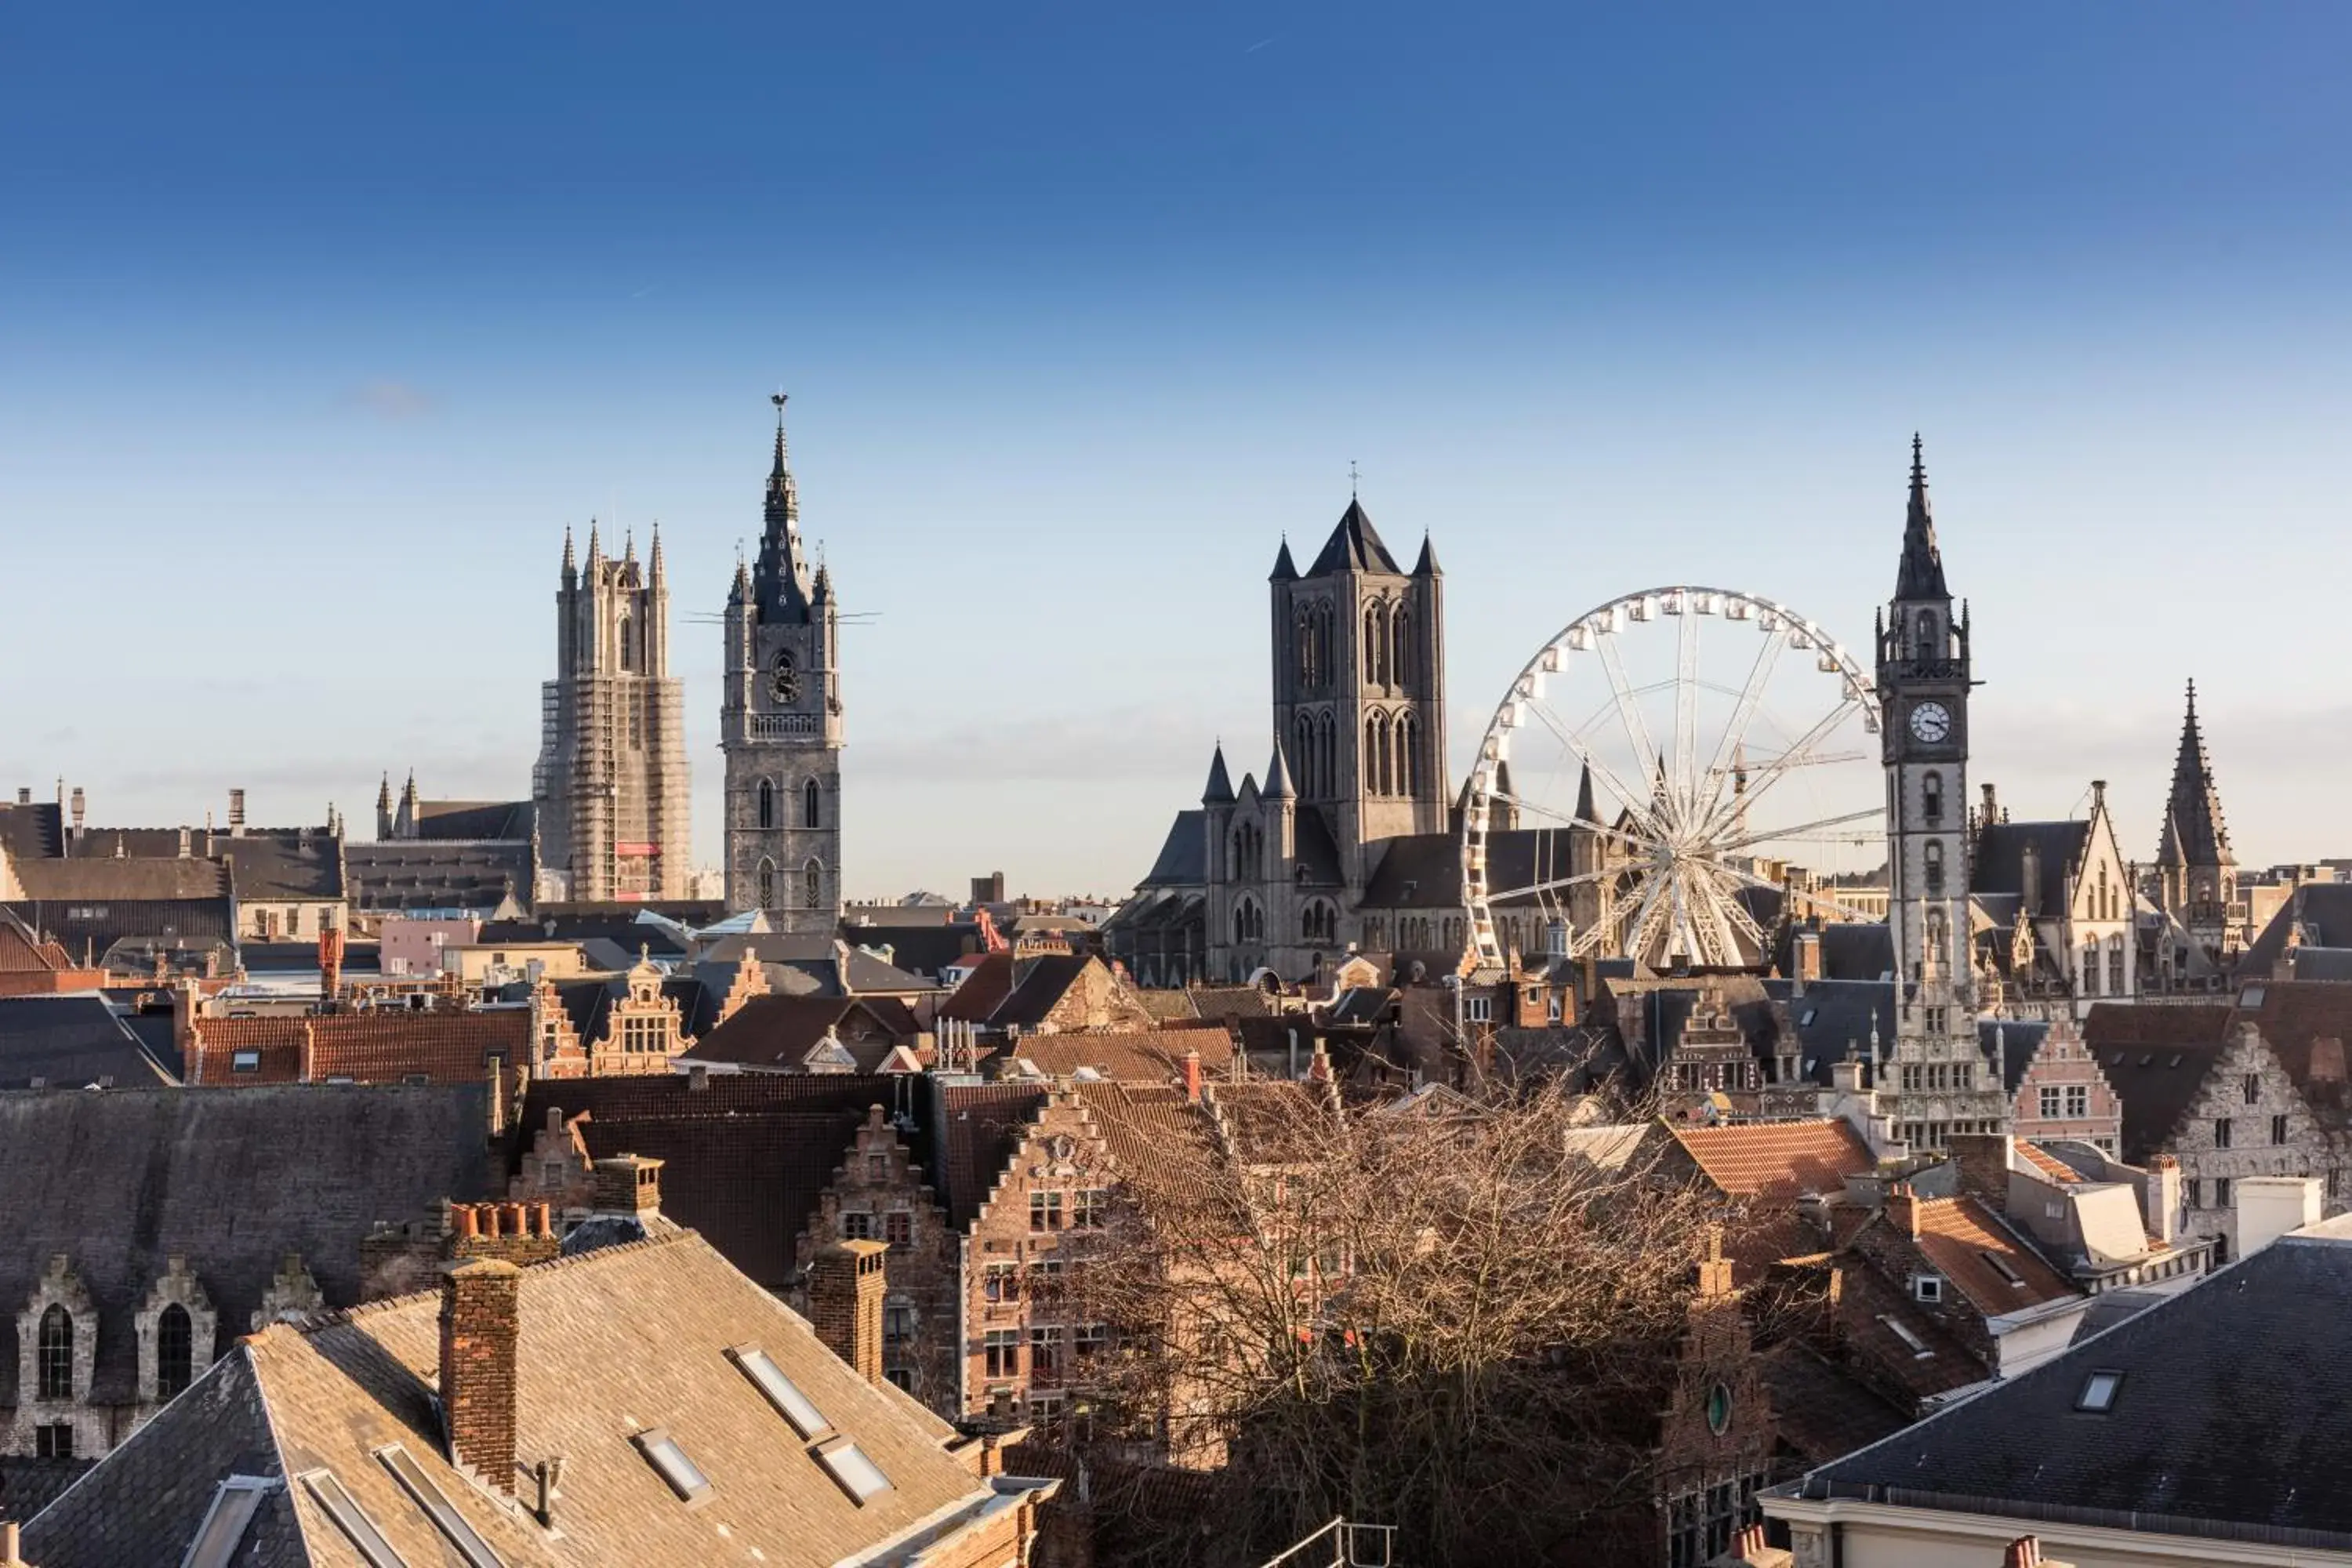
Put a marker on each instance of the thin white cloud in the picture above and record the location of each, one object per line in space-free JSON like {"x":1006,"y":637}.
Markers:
{"x":393,"y":400}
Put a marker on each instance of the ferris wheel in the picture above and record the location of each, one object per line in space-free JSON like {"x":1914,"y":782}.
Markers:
{"x":1665,"y":777}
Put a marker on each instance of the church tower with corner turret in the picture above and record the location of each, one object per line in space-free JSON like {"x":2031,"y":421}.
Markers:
{"x":2196,"y":875}
{"x":779,"y":724}
{"x":1938,"y":1081}
{"x":611,"y":786}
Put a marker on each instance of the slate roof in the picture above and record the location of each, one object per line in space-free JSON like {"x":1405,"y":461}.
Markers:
{"x":234,"y":1179}
{"x":412,"y":874}
{"x":294,"y":864}
{"x":1998,"y":863}
{"x":2012,"y":1042}
{"x":105,"y":879}
{"x":2324,"y":909}
{"x":982,"y":991}
{"x":1820,"y":1410}
{"x":28,"y":1485}
{"x":779,"y":1031}
{"x":33,"y":830}
{"x":1318,"y":850}
{"x":2234,"y":1418}
{"x":1039,"y":984}
{"x":2155,"y":1059}
{"x":816,"y":966}
{"x":71,"y":1042}
{"x":1354,"y":546}
{"x":922,"y":950}
{"x":1857,"y":950}
{"x":1834,"y":1020}
{"x":611,"y":1343}
{"x":747,"y":1155}
{"x":1778,"y":1162}
{"x":1921,"y":575}
{"x":475,"y":820}
{"x":2307,"y":1025}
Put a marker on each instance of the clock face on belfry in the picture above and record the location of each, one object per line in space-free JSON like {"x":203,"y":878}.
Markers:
{"x":1931,"y":722}
{"x":783,"y":679}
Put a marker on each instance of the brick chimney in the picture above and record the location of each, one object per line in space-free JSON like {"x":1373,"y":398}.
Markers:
{"x":2160,"y":1202}
{"x":846,"y":1285}
{"x":1808,"y":961}
{"x":236,"y":814}
{"x":1982,"y":1159}
{"x":2025,"y":1551}
{"x":1193,"y":1076}
{"x":80,"y":809}
{"x":480,"y":1325}
{"x":1902,"y":1210}
{"x":331,"y":962}
{"x":628,"y":1185}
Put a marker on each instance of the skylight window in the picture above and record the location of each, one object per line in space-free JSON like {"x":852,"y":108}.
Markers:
{"x":2099,"y":1390}
{"x":245,"y":1061}
{"x":1806,"y":1021}
{"x":1903,"y":1331}
{"x":222,"y":1531}
{"x":1927,"y":1287}
{"x":446,"y":1517}
{"x":2001,"y":1266}
{"x":684,"y":1476}
{"x":358,"y":1529}
{"x":782,"y":1391}
{"x":855,"y":1474}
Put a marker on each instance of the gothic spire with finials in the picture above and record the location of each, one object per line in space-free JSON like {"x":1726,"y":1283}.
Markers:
{"x":1922,"y":574}
{"x":783,"y":576}
{"x":2194,"y":834}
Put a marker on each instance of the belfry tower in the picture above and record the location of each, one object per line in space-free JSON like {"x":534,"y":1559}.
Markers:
{"x":1939,"y":1082}
{"x":779,"y":724}
{"x":611,"y":783}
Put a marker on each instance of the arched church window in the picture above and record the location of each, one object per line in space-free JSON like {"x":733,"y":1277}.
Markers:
{"x":629,"y":646}
{"x":1924,"y":640}
{"x":1303,"y":646}
{"x":1931,"y":799}
{"x":766,"y":804}
{"x":1401,"y":647}
{"x":811,"y":806}
{"x":57,"y":1353}
{"x":1303,"y":754}
{"x":813,"y":886}
{"x":1933,"y":856}
{"x":1369,"y":780}
{"x":1408,"y":755}
{"x":767,"y":884}
{"x":175,"y":1351}
{"x":1327,"y":742}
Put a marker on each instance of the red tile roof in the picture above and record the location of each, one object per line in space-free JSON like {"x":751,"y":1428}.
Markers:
{"x":1130,"y":1056}
{"x":445,"y":1047}
{"x":1782,"y":1161}
{"x":1961,"y":1239}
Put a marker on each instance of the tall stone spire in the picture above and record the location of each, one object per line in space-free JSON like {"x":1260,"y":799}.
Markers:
{"x":1922,"y":573}
{"x":570,"y":567}
{"x":783,"y":576}
{"x":2194,"y":834}
{"x":654,"y":562}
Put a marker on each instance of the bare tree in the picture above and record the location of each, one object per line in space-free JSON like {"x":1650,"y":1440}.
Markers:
{"x":1449,"y":1322}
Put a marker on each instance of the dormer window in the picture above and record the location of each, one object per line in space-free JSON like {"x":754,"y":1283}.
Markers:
{"x":1927,"y":1288}
{"x":56,"y":1354}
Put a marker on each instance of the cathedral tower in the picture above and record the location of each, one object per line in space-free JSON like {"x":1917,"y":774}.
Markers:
{"x":1358,"y":688}
{"x":779,"y":724}
{"x":2197,"y":877}
{"x":1938,"y":1081}
{"x":611,"y":783}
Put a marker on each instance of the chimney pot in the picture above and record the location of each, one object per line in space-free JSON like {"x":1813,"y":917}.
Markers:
{"x":479,"y":1327}
{"x":1193,"y":1075}
{"x":628,"y":1185}
{"x":236,"y":813}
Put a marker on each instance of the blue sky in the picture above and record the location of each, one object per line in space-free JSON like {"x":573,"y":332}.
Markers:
{"x":320,"y":328}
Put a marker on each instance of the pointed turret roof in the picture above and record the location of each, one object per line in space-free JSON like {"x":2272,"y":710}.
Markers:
{"x":1285,"y":568}
{"x":1354,"y":546}
{"x":783,"y":575}
{"x":383,"y":793}
{"x":654,"y":564}
{"x":1277,"y":775}
{"x":1922,"y":572}
{"x":1219,"y":788}
{"x":1427,"y":565}
{"x":1586,"y":810}
{"x":570,"y":567}
{"x":2194,"y":834}
{"x":596,"y":547}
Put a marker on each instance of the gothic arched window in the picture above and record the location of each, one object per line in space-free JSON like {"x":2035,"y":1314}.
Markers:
{"x":767,"y":884}
{"x":1369,"y":659}
{"x":1303,"y":754}
{"x":1923,"y":644}
{"x":1408,"y":755}
{"x":811,"y":806}
{"x":2091,"y":968}
{"x":813,"y":886}
{"x":1401,"y":647}
{"x":56,"y":1354}
{"x":1931,"y":799}
{"x":766,"y":804}
{"x":628,"y":648}
{"x":1934,"y":856}
{"x":175,"y":1351}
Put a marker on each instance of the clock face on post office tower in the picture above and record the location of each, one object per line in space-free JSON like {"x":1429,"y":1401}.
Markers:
{"x":1931,"y":722}
{"x":783,"y":679}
